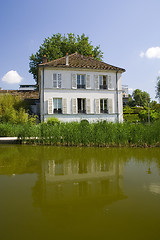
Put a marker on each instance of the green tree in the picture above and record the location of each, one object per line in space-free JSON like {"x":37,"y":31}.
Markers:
{"x":158,"y":88}
{"x":155,"y":106}
{"x":57,"y":46}
{"x":140,"y":98}
{"x":12,"y":110}
{"x":140,"y":114}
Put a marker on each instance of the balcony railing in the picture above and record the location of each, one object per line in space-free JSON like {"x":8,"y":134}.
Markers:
{"x":81,"y":111}
{"x":58,"y":111}
{"x":102,"y":86}
{"x":104,"y":111}
{"x":80,"y":86}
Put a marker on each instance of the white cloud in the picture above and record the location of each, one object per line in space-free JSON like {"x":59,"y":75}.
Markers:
{"x":12,"y":77}
{"x":153,"y":52}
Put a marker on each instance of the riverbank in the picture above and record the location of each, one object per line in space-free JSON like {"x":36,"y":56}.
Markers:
{"x":101,"y":134}
{"x":10,"y":140}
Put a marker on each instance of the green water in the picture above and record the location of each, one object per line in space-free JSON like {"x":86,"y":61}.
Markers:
{"x":79,"y":193}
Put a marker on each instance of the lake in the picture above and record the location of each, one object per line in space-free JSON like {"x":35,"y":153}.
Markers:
{"x":76,"y":193}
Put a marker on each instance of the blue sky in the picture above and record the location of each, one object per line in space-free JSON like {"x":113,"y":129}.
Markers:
{"x":127,"y":32}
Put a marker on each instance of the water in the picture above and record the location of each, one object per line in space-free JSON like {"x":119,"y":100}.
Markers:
{"x":79,"y":193}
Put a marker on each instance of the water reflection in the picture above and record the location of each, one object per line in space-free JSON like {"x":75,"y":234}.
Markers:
{"x":79,"y":193}
{"x":154,"y":188}
{"x":65,"y":180}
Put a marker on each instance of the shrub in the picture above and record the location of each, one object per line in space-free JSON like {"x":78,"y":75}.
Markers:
{"x":53,"y":121}
{"x":12,"y":110}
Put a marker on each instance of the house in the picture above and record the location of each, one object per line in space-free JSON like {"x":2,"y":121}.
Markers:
{"x":27,"y":87}
{"x":125,"y":95}
{"x":76,"y":87}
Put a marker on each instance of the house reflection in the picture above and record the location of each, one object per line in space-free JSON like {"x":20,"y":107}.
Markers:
{"x":84,"y":180}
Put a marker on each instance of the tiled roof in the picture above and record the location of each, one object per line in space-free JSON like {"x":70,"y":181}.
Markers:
{"x":21,"y":94}
{"x":77,"y":60}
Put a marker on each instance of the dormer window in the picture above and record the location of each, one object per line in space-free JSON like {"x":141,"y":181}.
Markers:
{"x":80,"y":81}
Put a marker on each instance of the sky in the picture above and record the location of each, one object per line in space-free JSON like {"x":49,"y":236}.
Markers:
{"x":127,"y":32}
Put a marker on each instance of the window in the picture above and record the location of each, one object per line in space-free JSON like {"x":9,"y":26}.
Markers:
{"x":59,"y":168}
{"x":57,"y":80}
{"x":80,"y":81}
{"x":81,"y":103}
{"x":102,"y":82}
{"x":103,"y":106}
{"x":57,"y":105}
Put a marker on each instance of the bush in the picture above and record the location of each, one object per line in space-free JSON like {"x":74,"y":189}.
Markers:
{"x":53,"y":121}
{"x":12,"y":110}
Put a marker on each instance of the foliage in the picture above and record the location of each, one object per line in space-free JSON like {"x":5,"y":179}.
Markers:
{"x":139,"y":98}
{"x":127,"y":109}
{"x":53,"y":121}
{"x":131,"y":118}
{"x":101,"y":133}
{"x":12,"y":110}
{"x":57,"y":46}
{"x":137,"y":108}
{"x":140,"y":114}
{"x":155,"y":106}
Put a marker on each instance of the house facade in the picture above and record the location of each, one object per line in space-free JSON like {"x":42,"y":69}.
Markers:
{"x":76,"y":87}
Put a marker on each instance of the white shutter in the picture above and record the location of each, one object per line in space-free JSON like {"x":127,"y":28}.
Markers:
{"x":88,"y":82}
{"x":110,"y":85}
{"x":74,"y":106}
{"x":97,"y":106}
{"x":64,"y":106}
{"x":88,"y":106}
{"x":59,"y":80}
{"x":107,"y":81}
{"x":50,"y":106}
{"x":74,"y":81}
{"x":54,"y":80}
{"x":96,"y":82}
{"x":110,"y":105}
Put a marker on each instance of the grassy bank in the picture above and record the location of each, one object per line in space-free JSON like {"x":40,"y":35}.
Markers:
{"x":85,"y":134}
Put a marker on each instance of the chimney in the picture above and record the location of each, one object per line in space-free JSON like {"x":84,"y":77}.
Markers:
{"x":44,"y":59}
{"x":67,"y":59}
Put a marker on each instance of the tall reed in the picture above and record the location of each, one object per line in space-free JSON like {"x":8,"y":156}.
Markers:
{"x":82,"y":133}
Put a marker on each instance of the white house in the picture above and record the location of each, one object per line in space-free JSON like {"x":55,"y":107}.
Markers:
{"x":77,"y":87}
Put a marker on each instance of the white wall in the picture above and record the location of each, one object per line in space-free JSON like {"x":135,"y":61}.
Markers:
{"x":66,"y":77}
{"x":79,"y":117}
{"x":78,"y":93}
{"x":68,"y":93}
